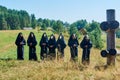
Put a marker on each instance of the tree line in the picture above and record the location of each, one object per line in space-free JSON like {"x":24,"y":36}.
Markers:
{"x":14,"y":19}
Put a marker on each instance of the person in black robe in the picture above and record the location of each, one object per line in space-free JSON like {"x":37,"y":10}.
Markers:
{"x":86,"y":45}
{"x":44,"y":44}
{"x":32,"y":46}
{"x":52,"y":46}
{"x":20,"y":42}
{"x":61,"y":45}
{"x":73,"y":44}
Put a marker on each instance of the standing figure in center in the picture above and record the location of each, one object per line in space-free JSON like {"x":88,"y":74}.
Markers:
{"x":73,"y":44}
{"x":86,"y":45}
{"x":43,"y":44}
{"x":52,"y":47}
{"x":32,"y":46}
{"x":61,"y":46}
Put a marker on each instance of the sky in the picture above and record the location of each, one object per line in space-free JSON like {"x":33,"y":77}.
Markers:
{"x":66,"y":10}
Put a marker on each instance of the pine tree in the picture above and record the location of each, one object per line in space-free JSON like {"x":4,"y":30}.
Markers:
{"x":3,"y":23}
{"x":33,"y":21}
{"x":95,"y":34}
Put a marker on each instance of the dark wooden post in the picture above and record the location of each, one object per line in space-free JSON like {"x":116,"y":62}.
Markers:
{"x":110,"y":37}
{"x":109,"y":26}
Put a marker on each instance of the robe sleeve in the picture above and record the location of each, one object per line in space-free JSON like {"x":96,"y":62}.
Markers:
{"x":28,"y":42}
{"x":82,"y":45}
{"x":24,"y":42}
{"x":17,"y":42}
{"x":90,"y":45}
{"x":34,"y":43}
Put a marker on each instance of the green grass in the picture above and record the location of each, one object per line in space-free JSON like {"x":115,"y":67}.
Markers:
{"x":12,"y":69}
{"x":8,"y":47}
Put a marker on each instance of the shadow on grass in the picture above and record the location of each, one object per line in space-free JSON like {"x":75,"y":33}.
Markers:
{"x":101,"y":68}
{"x":6,"y":59}
{"x":104,"y":67}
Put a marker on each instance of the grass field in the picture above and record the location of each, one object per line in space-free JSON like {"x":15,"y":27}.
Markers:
{"x":12,"y":69}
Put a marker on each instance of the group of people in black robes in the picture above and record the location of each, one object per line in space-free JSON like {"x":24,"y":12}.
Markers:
{"x":49,"y":46}
{"x":31,"y":42}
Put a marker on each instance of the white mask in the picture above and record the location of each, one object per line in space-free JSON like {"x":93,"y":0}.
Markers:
{"x":87,"y":37}
{"x":60,"y":37}
{"x":74,"y":35}
{"x":44,"y":35}
{"x":51,"y":37}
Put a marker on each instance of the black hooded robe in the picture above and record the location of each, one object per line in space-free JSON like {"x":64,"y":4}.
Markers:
{"x":20,"y":47}
{"x":86,"y":51}
{"x":62,"y":46}
{"x":73,"y":49}
{"x":44,"y":49}
{"x":32,"y":48}
{"x":52,"y":51}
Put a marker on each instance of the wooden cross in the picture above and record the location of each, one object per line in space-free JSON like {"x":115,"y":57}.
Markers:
{"x":109,"y":27}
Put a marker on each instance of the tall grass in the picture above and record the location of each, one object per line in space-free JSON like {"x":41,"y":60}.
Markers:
{"x":12,"y":69}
